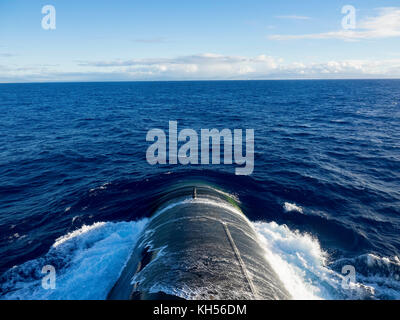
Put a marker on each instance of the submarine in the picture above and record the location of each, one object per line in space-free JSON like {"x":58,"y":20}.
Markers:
{"x":198,"y":245}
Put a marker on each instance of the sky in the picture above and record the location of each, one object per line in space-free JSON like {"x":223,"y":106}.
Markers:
{"x":198,"y":40}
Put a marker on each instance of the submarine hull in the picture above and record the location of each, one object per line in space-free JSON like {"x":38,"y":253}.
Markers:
{"x":198,"y":247}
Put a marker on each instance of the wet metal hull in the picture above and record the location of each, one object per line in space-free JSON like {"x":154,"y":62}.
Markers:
{"x":198,"y":246}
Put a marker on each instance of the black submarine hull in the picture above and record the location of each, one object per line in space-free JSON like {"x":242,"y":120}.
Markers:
{"x":198,"y":245}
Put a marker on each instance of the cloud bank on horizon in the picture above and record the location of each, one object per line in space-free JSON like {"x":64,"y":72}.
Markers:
{"x":370,"y":50}
{"x":385,"y":25}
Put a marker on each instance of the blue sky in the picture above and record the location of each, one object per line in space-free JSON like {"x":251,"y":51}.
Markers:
{"x":190,"y":40}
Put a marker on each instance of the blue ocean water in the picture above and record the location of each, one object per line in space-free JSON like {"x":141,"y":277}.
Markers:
{"x":325,"y":191}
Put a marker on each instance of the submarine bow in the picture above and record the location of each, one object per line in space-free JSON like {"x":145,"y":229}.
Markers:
{"x":198,"y":245}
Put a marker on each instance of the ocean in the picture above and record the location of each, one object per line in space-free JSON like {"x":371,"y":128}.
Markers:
{"x":76,"y":189}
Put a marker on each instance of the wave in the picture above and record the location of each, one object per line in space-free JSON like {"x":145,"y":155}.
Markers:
{"x":290,"y":207}
{"x":305,"y":270}
{"x":381,"y":274}
{"x":89,"y":260}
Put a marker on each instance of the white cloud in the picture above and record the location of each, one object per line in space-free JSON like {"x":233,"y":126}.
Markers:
{"x":215,"y":66}
{"x":385,"y":25}
{"x":207,"y":66}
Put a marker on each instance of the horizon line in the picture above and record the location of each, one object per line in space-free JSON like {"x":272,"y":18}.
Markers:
{"x":194,"y":80}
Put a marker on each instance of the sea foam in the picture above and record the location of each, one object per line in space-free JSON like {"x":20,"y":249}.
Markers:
{"x":307,"y":272}
{"x":89,"y":260}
